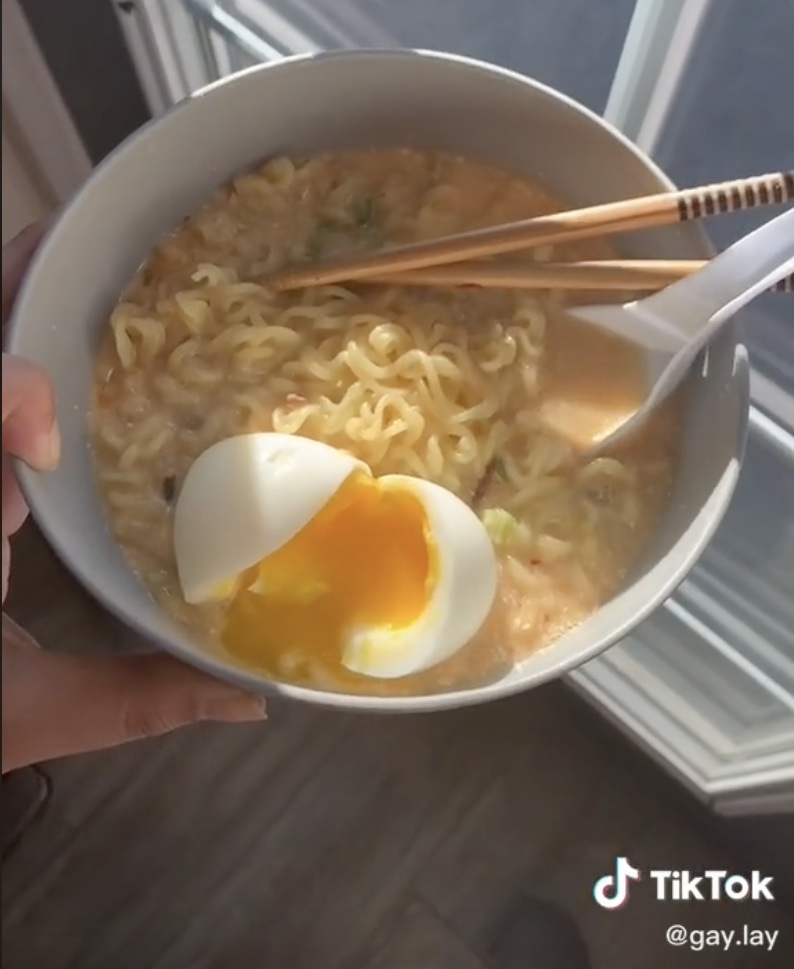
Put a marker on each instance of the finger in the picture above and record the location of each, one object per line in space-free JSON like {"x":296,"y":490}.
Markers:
{"x":56,"y":705}
{"x":15,"y":511}
{"x":6,"y":566}
{"x":30,"y":432}
{"x":16,"y":259}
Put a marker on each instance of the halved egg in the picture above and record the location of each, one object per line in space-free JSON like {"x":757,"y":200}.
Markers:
{"x":315,"y":557}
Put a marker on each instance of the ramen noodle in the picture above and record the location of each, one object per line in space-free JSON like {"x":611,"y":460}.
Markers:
{"x":460,"y":386}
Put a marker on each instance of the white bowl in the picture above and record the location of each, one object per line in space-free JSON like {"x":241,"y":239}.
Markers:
{"x":346,"y":100}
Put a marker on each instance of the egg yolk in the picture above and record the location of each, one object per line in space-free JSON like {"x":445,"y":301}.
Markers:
{"x":365,"y":560}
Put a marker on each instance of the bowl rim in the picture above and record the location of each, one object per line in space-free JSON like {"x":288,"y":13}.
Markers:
{"x":349,"y":702}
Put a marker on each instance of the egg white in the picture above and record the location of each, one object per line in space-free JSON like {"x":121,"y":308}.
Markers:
{"x":243,"y":499}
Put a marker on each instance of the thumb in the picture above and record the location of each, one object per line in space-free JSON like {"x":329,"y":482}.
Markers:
{"x":55,"y":705}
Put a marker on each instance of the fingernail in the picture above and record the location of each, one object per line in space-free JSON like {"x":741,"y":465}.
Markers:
{"x":242,"y":708}
{"x":49,"y":449}
{"x":55,"y":444}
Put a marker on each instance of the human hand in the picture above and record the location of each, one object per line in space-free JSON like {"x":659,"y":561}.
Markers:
{"x":56,"y":704}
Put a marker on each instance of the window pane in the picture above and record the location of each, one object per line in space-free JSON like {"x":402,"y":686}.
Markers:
{"x":704,"y":688}
{"x":742,"y":587}
{"x":573,"y":45}
{"x":732,"y":117}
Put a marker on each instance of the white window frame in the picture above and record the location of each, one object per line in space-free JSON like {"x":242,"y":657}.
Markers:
{"x":168,"y":48}
{"x":33,"y":106}
{"x":659,"y":42}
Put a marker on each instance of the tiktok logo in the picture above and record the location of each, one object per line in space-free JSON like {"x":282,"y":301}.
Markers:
{"x":612,"y":891}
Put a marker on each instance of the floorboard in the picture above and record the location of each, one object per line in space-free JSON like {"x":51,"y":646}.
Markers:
{"x":468,"y":840}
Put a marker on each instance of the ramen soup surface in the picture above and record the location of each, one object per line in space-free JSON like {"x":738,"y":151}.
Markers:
{"x":460,"y":386}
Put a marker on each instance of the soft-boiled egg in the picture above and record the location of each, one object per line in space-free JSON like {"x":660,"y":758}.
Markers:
{"x":313,"y":556}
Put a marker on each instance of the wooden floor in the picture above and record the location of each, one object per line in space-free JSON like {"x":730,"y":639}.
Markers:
{"x":326,"y":841}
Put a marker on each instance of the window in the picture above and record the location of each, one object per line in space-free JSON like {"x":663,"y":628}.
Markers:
{"x":572,"y":46}
{"x":707,"y":684}
{"x":731,"y":117}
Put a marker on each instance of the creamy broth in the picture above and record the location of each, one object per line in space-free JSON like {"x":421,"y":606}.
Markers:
{"x":478,"y":390}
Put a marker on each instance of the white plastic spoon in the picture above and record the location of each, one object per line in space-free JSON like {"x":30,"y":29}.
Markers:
{"x":676,"y":323}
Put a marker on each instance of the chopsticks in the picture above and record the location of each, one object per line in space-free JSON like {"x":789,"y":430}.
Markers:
{"x":503,"y":274}
{"x":616,"y":274}
{"x":628,"y":215}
